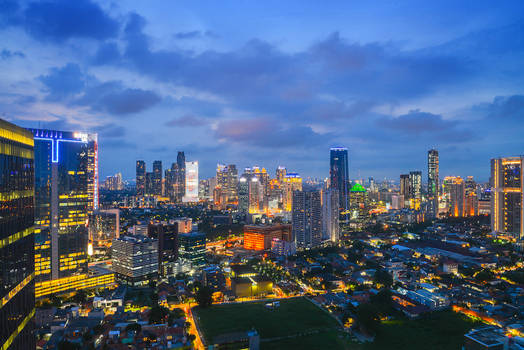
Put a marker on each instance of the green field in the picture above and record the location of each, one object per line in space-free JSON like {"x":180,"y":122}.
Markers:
{"x":438,"y":330}
{"x":302,"y":321}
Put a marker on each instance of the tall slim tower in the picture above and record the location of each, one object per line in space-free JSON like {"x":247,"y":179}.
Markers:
{"x":180,"y":176}
{"x":157,"y":177}
{"x":140,"y":178}
{"x":433,"y":182}
{"x":339,"y":177}
{"x":17,"y":270}
{"x":507,"y":190}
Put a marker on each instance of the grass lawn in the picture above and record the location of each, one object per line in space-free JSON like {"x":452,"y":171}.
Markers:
{"x":438,"y":330}
{"x":294,"y":316}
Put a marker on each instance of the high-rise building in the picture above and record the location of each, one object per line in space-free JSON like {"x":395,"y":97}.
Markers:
{"x":149,"y":184}
{"x":64,"y":186}
{"x":243,"y":194}
{"x":157,"y":178}
{"x":167,"y":236}
{"x":359,"y":210}
{"x":135,"y":259}
{"x":114,"y":183}
{"x":404,"y":186}
{"x":471,"y":198}
{"x":307,"y":218}
{"x":415,"y":189}
{"x":227,"y":180}
{"x":256,"y":196}
{"x":292,"y":182}
{"x":191,"y":183}
{"x":339,"y":177}
{"x":140,"y":178}
{"x":103,"y":227}
{"x":281,"y":173}
{"x":17,"y":286}
{"x":193,"y":248}
{"x":259,"y":237}
{"x":330,"y":215}
{"x":433,"y":182}
{"x":455,"y":195}
{"x":180,"y":177}
{"x":507,"y":215}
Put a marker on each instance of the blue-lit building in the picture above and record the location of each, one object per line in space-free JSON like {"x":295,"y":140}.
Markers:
{"x":193,"y":248}
{"x":66,"y":192}
{"x":17,"y":285}
{"x":339,"y":177}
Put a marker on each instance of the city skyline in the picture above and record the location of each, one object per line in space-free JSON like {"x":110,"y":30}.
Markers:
{"x":388,"y":81}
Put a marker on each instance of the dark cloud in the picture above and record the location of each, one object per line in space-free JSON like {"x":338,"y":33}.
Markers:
{"x":417,"y":124}
{"x":62,"y":82}
{"x":63,"y":19}
{"x":266,"y":133}
{"x":188,"y":121}
{"x":6,"y":54}
{"x":110,"y":130}
{"x":71,"y":85}
{"x":502,"y":108}
{"x":107,"y":53}
{"x":195,"y":34}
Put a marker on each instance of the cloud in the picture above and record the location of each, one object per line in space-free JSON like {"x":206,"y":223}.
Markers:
{"x":63,"y":19}
{"x":107,"y":53}
{"x":6,"y":54}
{"x":110,"y":130}
{"x":502,"y":108}
{"x":188,"y":121}
{"x":195,"y":34}
{"x":417,"y":124}
{"x":71,"y":85}
{"x":266,"y":133}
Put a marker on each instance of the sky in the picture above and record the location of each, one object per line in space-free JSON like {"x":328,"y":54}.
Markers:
{"x":272,"y":83}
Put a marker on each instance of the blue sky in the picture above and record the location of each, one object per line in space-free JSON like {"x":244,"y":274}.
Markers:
{"x":272,"y":83}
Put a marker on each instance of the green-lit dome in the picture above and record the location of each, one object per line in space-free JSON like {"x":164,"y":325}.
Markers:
{"x":357,"y":188}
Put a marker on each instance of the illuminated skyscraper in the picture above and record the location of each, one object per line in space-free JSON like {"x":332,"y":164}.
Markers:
{"x":157,"y":178}
{"x":330,"y":215}
{"x":140,"y":178}
{"x":339,"y":177}
{"x":471,"y":199}
{"x":507,"y":214}
{"x":17,"y":270}
{"x":64,"y":186}
{"x":455,"y":195}
{"x":243,"y":194}
{"x":404,"y":186}
{"x":415,"y":189}
{"x":292,"y":182}
{"x":307,"y":218}
{"x":191,"y":183}
{"x":433,"y":182}
{"x":227,"y":180}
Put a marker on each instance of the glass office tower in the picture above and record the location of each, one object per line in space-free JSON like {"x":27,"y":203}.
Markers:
{"x":339,"y":177}
{"x":17,"y":288}
{"x":66,"y":191}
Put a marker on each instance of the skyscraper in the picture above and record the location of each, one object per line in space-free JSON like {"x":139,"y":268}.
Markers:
{"x":17,"y":293}
{"x":330,"y":215}
{"x":157,"y":178}
{"x":63,"y":198}
{"x":243,"y":194}
{"x":415,"y":189}
{"x":227,"y":180}
{"x":455,"y":195}
{"x":292,"y":182}
{"x":307,"y":218}
{"x":140,"y":178}
{"x":191,"y":183}
{"x":339,"y":177}
{"x":433,"y":182}
{"x":404,"y":186}
{"x":180,"y":177}
{"x":507,"y":215}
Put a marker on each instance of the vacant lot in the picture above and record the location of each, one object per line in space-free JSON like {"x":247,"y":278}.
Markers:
{"x":299,"y":320}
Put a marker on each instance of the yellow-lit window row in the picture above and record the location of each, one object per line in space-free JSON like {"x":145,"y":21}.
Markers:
{"x":16,"y":151}
{"x":16,"y":289}
{"x":70,"y":283}
{"x":19,"y":329}
{"x":15,"y":237}
{"x":9,"y":196}
{"x":15,"y":133}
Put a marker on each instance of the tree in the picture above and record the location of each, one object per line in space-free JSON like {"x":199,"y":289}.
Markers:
{"x":80,"y":297}
{"x":383,"y":277}
{"x":158,"y":314}
{"x":204,"y":296}
{"x":484,"y":275}
{"x":368,"y":317}
{"x":134,"y":327}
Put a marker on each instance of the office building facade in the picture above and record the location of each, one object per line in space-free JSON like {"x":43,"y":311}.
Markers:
{"x":307,"y":218}
{"x":135,"y":259}
{"x":433,"y":183}
{"x":64,"y":196}
{"x":507,"y":196}
{"x":17,"y":294}
{"x":193,"y":248}
{"x":339,"y":177}
{"x":140,"y":178}
{"x":191,"y":183}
